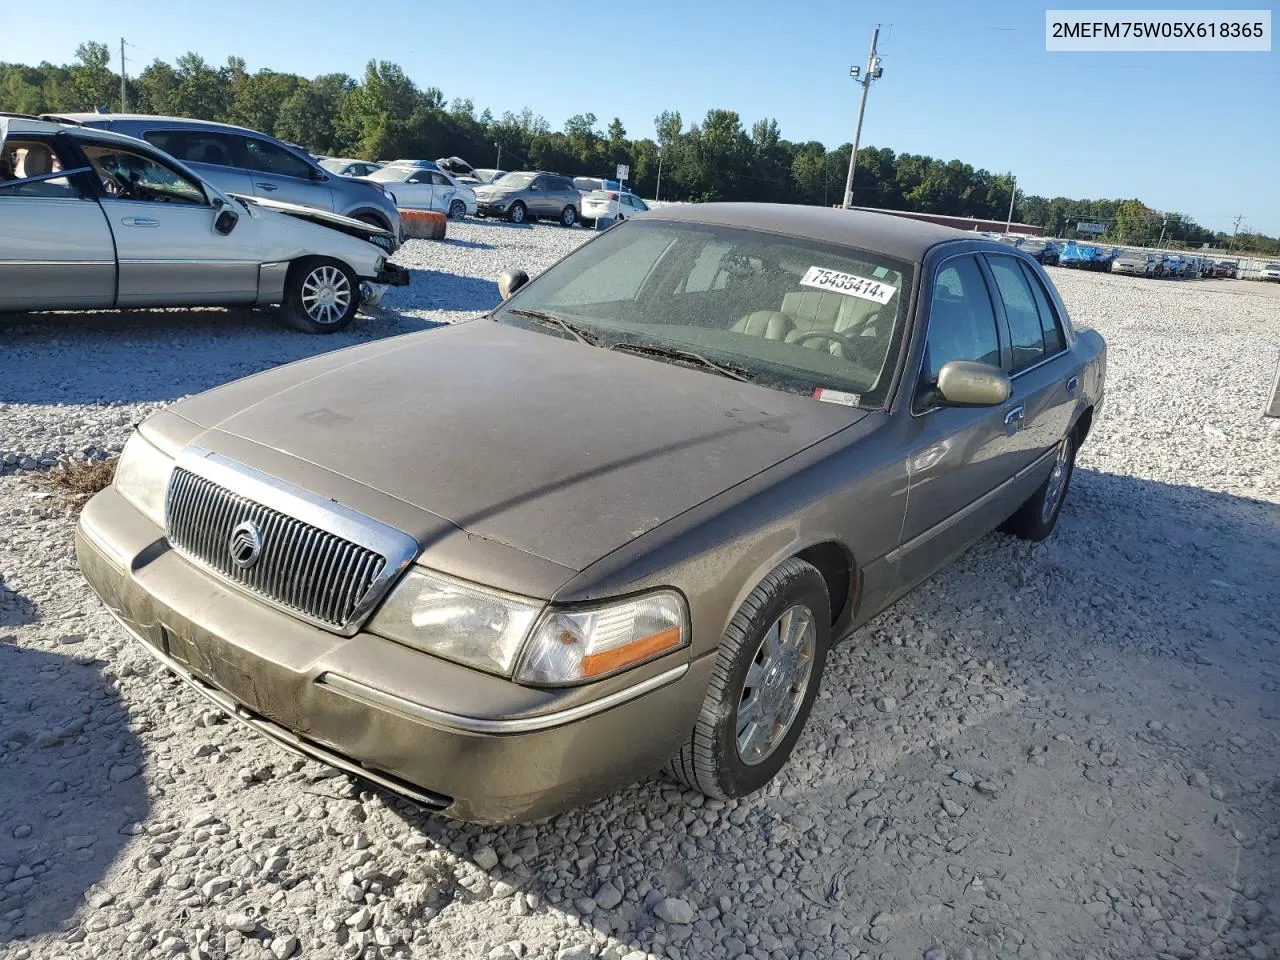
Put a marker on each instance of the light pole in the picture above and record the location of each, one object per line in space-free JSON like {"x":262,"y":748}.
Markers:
{"x":657,"y":193}
{"x":1013,"y":192}
{"x":873,"y":72}
{"x":499,"y":162}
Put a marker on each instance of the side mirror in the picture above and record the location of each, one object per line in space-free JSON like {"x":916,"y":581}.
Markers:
{"x":966,"y":383}
{"x":318,"y":175}
{"x":509,"y":281}
{"x":226,"y":221}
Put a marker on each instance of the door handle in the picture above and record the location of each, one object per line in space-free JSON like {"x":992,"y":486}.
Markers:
{"x":1072,"y":383}
{"x":1016,"y":415}
{"x":140,"y":222}
{"x":266,"y":186}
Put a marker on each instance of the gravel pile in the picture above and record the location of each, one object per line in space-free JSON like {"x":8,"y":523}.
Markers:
{"x":1070,"y":750}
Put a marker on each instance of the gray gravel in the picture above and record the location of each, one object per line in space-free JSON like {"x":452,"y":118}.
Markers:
{"x":1070,"y":750}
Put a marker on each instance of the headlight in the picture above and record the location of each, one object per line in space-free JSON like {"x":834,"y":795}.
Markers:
{"x":142,"y":477}
{"x":445,"y":617}
{"x":572,"y":646}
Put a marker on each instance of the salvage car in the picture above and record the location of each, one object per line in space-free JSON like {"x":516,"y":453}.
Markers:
{"x":707,"y":444}
{"x":525,"y":196}
{"x":242,"y":161}
{"x":610,"y":205}
{"x":97,"y":220}
{"x":347,"y":167}
{"x":1134,"y":263}
{"x":417,"y":188}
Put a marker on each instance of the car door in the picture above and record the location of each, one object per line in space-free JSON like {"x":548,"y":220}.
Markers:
{"x":55,"y":246}
{"x":215,"y":157}
{"x":417,"y":192}
{"x":546,"y":201}
{"x":959,"y":459}
{"x":279,"y":174}
{"x":443,"y":191}
{"x":1045,"y":385}
{"x":162,"y":220}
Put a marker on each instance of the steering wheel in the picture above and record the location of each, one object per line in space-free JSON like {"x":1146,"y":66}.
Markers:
{"x":831,"y":335}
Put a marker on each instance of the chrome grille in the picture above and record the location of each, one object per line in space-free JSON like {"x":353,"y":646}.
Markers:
{"x":301,"y":567}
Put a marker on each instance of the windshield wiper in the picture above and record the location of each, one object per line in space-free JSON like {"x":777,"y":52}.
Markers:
{"x":581,"y":334}
{"x":677,"y":353}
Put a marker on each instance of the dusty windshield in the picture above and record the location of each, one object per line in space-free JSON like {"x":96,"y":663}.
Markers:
{"x":517,"y":181}
{"x":785,"y":312}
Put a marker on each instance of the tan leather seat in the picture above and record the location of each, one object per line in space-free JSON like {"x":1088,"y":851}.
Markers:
{"x":769,"y":324}
{"x":37,"y":160}
{"x":827,"y":312}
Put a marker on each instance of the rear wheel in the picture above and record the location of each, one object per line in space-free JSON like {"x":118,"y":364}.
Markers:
{"x":457,"y":209}
{"x":1037,"y":517}
{"x":763,"y":685}
{"x":517,"y":213}
{"x":320,"y":295}
{"x":568,"y":216}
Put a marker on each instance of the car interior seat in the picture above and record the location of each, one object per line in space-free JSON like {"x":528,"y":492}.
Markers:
{"x":37,"y":160}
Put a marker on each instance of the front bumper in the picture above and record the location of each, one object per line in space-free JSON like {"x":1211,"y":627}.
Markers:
{"x":392,"y":275}
{"x":492,"y":208}
{"x":376,"y":708}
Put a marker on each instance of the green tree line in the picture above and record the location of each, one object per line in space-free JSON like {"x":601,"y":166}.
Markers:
{"x":384,"y":115}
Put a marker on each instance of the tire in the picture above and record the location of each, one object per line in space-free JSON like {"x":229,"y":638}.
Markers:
{"x":711,"y":760}
{"x":518,"y":212}
{"x":457,"y":210}
{"x":1037,"y":517}
{"x":568,"y":216}
{"x":320,"y":295}
{"x":372,"y":219}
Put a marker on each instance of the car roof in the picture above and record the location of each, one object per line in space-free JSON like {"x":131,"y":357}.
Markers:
{"x":152,"y":118}
{"x":900,"y":237}
{"x":11,"y":125}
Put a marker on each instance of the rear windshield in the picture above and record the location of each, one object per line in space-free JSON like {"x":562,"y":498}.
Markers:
{"x":787,"y":312}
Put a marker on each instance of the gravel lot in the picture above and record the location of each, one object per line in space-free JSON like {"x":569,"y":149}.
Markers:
{"x":1069,"y":750}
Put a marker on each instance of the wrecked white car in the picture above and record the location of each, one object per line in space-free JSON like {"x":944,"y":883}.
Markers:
{"x":97,"y":220}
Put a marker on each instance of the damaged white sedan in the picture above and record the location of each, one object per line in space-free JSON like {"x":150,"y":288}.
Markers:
{"x":91,"y":219}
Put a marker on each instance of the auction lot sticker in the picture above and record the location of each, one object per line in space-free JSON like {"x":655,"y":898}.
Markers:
{"x":850,"y":284}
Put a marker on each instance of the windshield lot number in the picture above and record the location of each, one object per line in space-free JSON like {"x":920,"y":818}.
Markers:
{"x":849,"y":284}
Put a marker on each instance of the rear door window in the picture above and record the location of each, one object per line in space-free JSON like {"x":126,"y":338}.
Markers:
{"x":266,"y":157}
{"x":195,"y":146}
{"x":1025,"y":332}
{"x":22,"y":160}
{"x":1050,"y":323}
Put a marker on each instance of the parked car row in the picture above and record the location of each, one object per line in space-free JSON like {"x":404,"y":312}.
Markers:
{"x":95,"y":218}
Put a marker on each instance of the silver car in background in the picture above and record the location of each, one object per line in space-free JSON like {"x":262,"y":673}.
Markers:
{"x":237,"y":160}
{"x":95,"y":220}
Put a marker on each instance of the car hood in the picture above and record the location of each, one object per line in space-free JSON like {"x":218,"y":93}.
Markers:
{"x":557,"y":449}
{"x":336,"y":221}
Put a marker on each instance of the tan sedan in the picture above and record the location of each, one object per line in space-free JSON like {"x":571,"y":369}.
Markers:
{"x":512,"y":564}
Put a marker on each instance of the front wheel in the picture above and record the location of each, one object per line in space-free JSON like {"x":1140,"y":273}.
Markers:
{"x":320,"y":295}
{"x":457,"y":210}
{"x":517,"y":212}
{"x":1037,"y":517}
{"x":763,"y":685}
{"x":568,"y":216}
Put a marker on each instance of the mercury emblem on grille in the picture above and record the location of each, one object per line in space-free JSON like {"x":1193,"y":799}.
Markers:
{"x":245,"y":545}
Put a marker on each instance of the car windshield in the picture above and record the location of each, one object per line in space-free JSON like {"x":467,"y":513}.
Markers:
{"x":391,"y":174}
{"x":335,"y":166}
{"x":786,"y":312}
{"x":517,"y":181}
{"x":1032,"y":245}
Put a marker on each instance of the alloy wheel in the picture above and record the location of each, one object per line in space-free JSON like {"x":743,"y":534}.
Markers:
{"x":326,"y":294}
{"x":775,"y":686}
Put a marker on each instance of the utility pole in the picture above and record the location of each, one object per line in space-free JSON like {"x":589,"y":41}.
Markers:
{"x":1234,"y":230}
{"x":657,"y":193}
{"x":1160,"y":243}
{"x":1013,"y":192}
{"x":124,"y":104}
{"x":499,"y":163}
{"x":873,"y":72}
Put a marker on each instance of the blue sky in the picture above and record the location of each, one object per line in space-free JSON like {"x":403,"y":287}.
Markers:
{"x":1193,"y":132}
